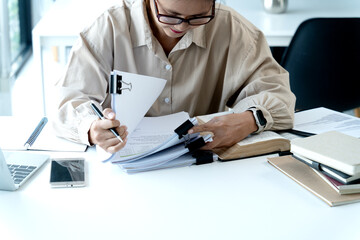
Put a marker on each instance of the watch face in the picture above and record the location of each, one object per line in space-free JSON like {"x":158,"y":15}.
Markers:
{"x":261,"y":117}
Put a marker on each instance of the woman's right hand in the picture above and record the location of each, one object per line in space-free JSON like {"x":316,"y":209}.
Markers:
{"x":100,"y":134}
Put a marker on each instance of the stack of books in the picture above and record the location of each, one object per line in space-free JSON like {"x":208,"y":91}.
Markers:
{"x":327,"y":164}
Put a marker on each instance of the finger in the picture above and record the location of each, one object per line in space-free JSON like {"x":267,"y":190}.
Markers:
{"x":121,"y":130}
{"x":107,"y":124}
{"x":201,"y":128}
{"x":116,"y":147}
{"x":124,"y":135}
{"x":209,"y":146}
{"x":109,"y":143}
{"x":109,"y":113}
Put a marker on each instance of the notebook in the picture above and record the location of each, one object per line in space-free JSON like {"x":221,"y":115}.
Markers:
{"x":33,"y":134}
{"x":17,"y":167}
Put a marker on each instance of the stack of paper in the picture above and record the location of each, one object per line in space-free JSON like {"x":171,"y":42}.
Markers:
{"x":155,"y":145}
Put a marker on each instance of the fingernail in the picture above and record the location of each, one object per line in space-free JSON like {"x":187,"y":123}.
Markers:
{"x":111,"y":115}
{"x":190,"y":131}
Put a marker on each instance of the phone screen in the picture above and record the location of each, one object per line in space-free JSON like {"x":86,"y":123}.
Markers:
{"x":67,"y":172}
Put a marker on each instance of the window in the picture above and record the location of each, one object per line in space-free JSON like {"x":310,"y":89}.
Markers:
{"x":15,"y":35}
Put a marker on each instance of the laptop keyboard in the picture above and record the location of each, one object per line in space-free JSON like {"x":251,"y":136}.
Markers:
{"x":20,"y":172}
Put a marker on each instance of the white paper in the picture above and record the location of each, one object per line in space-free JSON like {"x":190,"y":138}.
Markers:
{"x":158,"y":158}
{"x":153,"y":133}
{"x":319,"y":120}
{"x":132,"y":104}
{"x":15,"y":131}
{"x":182,"y":161}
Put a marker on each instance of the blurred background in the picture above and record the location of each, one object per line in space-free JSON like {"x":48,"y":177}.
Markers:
{"x":36,"y":37}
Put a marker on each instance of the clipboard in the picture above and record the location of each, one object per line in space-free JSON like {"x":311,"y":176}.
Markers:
{"x":132,"y":96}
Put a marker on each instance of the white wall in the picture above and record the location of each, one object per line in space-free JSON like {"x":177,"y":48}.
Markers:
{"x":39,"y":8}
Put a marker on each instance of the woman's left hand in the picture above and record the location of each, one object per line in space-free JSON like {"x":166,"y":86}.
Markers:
{"x":227,"y":129}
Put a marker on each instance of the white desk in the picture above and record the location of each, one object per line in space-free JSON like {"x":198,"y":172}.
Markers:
{"x":245,"y":199}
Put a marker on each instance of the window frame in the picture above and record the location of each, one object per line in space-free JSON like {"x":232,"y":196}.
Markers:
{"x":10,"y":66}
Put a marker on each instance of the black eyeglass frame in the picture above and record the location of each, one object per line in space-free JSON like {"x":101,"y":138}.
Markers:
{"x":181,"y":20}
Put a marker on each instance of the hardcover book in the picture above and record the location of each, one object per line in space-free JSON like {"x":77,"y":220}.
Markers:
{"x":338,"y":186}
{"x":307,"y":178}
{"x":334,"y":149}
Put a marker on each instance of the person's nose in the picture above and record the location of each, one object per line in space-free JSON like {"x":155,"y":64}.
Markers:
{"x":183,"y":26}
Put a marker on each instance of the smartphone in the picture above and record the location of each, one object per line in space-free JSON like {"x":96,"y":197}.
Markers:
{"x":67,"y":172}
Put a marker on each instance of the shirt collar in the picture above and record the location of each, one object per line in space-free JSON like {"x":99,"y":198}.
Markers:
{"x":140,"y":31}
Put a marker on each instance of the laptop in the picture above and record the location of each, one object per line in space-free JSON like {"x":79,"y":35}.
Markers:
{"x":17,"y":167}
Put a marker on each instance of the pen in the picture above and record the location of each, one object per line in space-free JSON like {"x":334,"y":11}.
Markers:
{"x":101,"y":116}
{"x":36,"y":133}
{"x":301,"y":133}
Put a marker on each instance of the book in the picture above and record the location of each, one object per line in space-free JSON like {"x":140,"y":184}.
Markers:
{"x":21,"y":134}
{"x":307,"y":178}
{"x":328,"y":171}
{"x":338,"y":186}
{"x":334,"y":149}
{"x":253,"y":145}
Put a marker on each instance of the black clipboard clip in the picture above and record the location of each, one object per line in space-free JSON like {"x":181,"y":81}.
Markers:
{"x":196,"y":143}
{"x":204,"y":157}
{"x":182,"y":130}
{"x":116,"y":84}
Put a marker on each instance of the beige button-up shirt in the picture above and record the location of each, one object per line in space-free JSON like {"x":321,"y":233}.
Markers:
{"x":226,"y":62}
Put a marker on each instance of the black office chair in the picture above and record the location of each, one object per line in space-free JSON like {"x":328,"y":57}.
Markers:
{"x":323,"y":60}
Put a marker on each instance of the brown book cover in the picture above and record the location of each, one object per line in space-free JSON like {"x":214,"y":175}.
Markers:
{"x":306,"y":177}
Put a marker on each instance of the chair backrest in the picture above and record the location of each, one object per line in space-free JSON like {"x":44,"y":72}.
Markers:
{"x":323,"y":60}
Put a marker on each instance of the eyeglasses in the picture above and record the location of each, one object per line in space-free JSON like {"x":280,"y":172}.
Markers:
{"x":194,"y":21}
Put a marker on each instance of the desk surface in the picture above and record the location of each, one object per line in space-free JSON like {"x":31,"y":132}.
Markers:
{"x":245,"y":199}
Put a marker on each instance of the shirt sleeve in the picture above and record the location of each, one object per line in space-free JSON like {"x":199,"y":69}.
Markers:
{"x":262,"y":82}
{"x":85,"y":81}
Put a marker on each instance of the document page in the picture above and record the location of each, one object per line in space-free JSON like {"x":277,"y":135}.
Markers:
{"x":138,"y":94}
{"x":319,"y":120}
{"x":152,"y":133}
{"x":261,"y":137}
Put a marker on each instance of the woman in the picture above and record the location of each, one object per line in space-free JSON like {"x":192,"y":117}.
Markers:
{"x":211,"y":57}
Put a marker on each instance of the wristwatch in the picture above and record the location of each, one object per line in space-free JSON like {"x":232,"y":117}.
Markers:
{"x":259,"y":118}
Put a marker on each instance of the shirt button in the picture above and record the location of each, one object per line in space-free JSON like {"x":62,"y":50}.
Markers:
{"x":168,"y":67}
{"x":167,"y":100}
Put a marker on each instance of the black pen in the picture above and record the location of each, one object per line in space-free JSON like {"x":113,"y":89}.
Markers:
{"x":301,"y":133}
{"x":101,"y":116}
